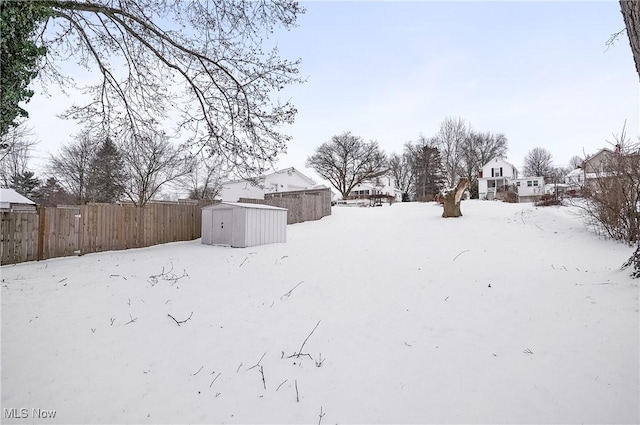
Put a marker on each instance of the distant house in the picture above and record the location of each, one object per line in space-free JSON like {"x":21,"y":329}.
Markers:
{"x":593,"y":167}
{"x":499,"y":177}
{"x":495,"y":177}
{"x":12,"y":201}
{"x":285,"y":180}
{"x":383,"y":185}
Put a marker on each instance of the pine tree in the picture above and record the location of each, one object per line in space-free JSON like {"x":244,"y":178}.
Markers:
{"x":25,"y":184}
{"x":52,"y":194}
{"x":106,"y":178}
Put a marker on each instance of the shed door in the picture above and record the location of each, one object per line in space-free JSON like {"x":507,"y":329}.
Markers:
{"x":222,"y":225}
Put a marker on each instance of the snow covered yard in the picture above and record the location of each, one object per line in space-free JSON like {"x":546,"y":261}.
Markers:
{"x":510,"y":313}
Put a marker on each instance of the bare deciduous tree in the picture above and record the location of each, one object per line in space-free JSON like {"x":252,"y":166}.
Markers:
{"x":204,"y":178}
{"x":197,"y":64}
{"x":151,"y":161}
{"x":538,"y":163}
{"x":450,"y":137}
{"x":402,"y":172}
{"x":347,"y":160}
{"x":575,"y":162}
{"x":71,"y":166}
{"x":17,"y":143}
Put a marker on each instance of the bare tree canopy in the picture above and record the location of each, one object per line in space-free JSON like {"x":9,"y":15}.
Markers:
{"x":71,"y":166}
{"x":538,"y":163}
{"x":450,"y":138}
{"x":347,"y":160}
{"x":199,"y":65}
{"x":151,"y":161}
{"x":17,"y":143}
{"x":402,"y":171}
{"x":575,"y":162}
{"x":631,"y":14}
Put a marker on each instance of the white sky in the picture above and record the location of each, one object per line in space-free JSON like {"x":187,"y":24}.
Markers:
{"x":539,"y":72}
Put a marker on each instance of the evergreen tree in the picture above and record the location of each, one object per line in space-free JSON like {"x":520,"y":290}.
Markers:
{"x":52,"y":194}
{"x":25,"y":184}
{"x":429,"y":176}
{"x":106,"y":175}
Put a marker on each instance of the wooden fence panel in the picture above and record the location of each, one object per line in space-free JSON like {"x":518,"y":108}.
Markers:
{"x":304,"y":205}
{"x":58,"y":232}
{"x":19,"y":238}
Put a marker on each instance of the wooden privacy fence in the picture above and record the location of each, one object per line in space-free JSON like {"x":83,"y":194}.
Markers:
{"x":74,"y":230}
{"x":302,"y":205}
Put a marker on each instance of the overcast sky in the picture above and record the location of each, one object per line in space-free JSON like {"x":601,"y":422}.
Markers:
{"x":539,"y":72}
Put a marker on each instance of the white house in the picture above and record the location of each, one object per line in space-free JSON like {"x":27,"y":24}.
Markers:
{"x":496,"y":175}
{"x":529,"y":188}
{"x":383,"y":185}
{"x":12,"y":201}
{"x":285,"y":180}
{"x":499,"y":175}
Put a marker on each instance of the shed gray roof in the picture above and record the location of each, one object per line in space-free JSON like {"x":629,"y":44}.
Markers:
{"x":244,"y":205}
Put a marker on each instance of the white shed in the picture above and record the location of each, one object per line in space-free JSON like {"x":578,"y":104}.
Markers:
{"x":241,"y":225}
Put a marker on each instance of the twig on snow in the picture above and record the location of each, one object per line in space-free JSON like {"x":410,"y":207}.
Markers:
{"x":179,"y":322}
{"x":257,"y":364}
{"x":321,"y":415}
{"x":194,"y":374}
{"x":239,"y":366}
{"x":214,"y":379}
{"x":466,"y":250}
{"x":245,"y":259}
{"x":305,"y":341}
{"x":113,"y":319}
{"x":297,"y":395}
{"x":320,"y":360}
{"x":528,"y":351}
{"x":264,"y":384}
{"x":288,"y":294}
{"x":281,"y":384}
{"x":132,"y":319}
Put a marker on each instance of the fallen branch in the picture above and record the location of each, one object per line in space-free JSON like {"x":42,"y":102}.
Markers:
{"x":321,"y":415}
{"x":264,"y":384}
{"x":288,"y":294}
{"x":182,"y":321}
{"x":214,"y":379}
{"x":305,"y":341}
{"x":466,"y":250}
{"x":153,"y":280}
{"x":132,"y":319}
{"x":257,"y":364}
{"x":281,"y":384}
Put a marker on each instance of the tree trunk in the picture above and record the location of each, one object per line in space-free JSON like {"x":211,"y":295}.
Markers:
{"x":452,"y":199}
{"x":631,"y":13}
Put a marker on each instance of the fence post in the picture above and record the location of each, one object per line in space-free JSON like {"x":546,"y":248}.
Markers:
{"x":42,"y":216}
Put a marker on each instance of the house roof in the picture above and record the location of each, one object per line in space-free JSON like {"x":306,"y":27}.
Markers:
{"x":291,"y":170}
{"x":500,"y":158}
{"x":242,"y":205}
{"x":10,"y":196}
{"x":283,"y":171}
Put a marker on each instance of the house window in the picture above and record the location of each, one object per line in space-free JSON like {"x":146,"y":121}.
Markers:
{"x":496,"y":172}
{"x":518,"y":184}
{"x":535,"y":182}
{"x":491,"y":183}
{"x":529,"y":183}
